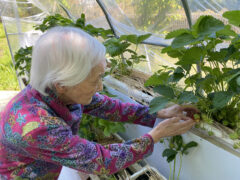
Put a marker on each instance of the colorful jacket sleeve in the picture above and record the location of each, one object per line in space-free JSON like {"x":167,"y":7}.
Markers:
{"x":115,"y":110}
{"x":51,"y":140}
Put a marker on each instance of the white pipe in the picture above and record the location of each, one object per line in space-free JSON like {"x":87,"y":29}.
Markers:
{"x":125,"y":89}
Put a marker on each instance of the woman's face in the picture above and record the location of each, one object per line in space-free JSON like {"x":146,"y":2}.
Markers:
{"x":83,"y":92}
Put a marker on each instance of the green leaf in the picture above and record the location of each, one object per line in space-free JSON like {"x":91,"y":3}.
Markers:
{"x":196,"y":25}
{"x":234,"y":136}
{"x":186,"y":97}
{"x":115,"y":47}
{"x":233,"y":17}
{"x":179,"y":141}
{"x":174,"y":53}
{"x":165,"y":91}
{"x":185,"y":39}
{"x":232,"y":75}
{"x":210,"y":25}
{"x":131,"y":38}
{"x":217,"y":56}
{"x":238,"y":81}
{"x":157,"y":79}
{"x":157,"y":104}
{"x":192,"y":79}
{"x":207,"y":25}
{"x":177,"y":75}
{"x":141,"y":38}
{"x":134,"y":38}
{"x":212,"y":44}
{"x":176,"y":33}
{"x":129,"y":63}
{"x":206,"y":83}
{"x":188,"y":146}
{"x":227,"y":31}
{"x":191,"y":56}
{"x":220,"y":99}
{"x":170,"y":154}
{"x":106,"y":132}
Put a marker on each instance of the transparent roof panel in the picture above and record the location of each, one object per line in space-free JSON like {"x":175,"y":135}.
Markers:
{"x":93,"y":13}
{"x":212,"y":7}
{"x":157,"y":17}
{"x":140,"y":16}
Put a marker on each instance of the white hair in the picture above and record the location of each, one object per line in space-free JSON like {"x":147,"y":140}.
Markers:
{"x":64,"y":55}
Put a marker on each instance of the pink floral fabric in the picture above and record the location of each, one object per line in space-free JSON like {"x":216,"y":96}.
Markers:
{"x":38,"y":135}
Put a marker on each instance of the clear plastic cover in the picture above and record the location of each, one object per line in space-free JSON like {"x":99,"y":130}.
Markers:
{"x":157,"y":17}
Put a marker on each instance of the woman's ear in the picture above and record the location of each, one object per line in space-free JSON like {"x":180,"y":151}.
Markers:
{"x":60,"y":89}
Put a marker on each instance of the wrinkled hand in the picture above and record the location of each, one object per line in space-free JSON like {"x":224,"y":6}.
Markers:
{"x":178,"y":111}
{"x":171,"y":127}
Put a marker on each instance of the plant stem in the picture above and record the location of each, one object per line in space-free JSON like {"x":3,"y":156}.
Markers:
{"x":180,"y":166}
{"x":170,"y":174}
{"x":194,"y":69}
{"x":174,"y":168}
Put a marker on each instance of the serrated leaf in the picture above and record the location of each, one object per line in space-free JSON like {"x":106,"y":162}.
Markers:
{"x":217,"y":56}
{"x":115,"y":47}
{"x":131,"y":38}
{"x":185,"y":39}
{"x":189,"y":145}
{"x":141,"y":38}
{"x":157,"y":104}
{"x":227,"y":31}
{"x":206,"y":83}
{"x":177,"y":75}
{"x":209,"y":25}
{"x":220,"y":99}
{"x":196,"y":25}
{"x":165,"y":91}
{"x":157,"y":79}
{"x":170,"y":154}
{"x":191,"y":56}
{"x":176,"y":33}
{"x":174,"y":53}
{"x":186,"y":97}
{"x":233,"y":17}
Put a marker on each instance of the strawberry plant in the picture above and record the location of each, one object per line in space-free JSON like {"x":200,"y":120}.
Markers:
{"x":121,"y":56}
{"x":207,"y":71}
{"x":176,"y":147}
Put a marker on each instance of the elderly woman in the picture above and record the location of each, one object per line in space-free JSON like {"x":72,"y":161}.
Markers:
{"x":38,"y":127}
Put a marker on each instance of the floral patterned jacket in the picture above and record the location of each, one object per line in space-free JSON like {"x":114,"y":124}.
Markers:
{"x":38,"y":135}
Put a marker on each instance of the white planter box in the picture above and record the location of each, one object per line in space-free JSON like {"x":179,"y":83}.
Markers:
{"x":148,"y":171}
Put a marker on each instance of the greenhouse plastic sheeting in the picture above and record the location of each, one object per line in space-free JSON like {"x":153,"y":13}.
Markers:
{"x":125,"y":16}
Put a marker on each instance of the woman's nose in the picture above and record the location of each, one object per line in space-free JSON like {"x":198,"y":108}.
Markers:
{"x":100,"y":86}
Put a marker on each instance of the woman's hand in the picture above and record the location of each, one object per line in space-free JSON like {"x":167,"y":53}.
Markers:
{"x":178,"y":111}
{"x":171,"y":127}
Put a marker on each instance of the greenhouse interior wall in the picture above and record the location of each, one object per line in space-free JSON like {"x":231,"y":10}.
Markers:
{"x":209,"y":161}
